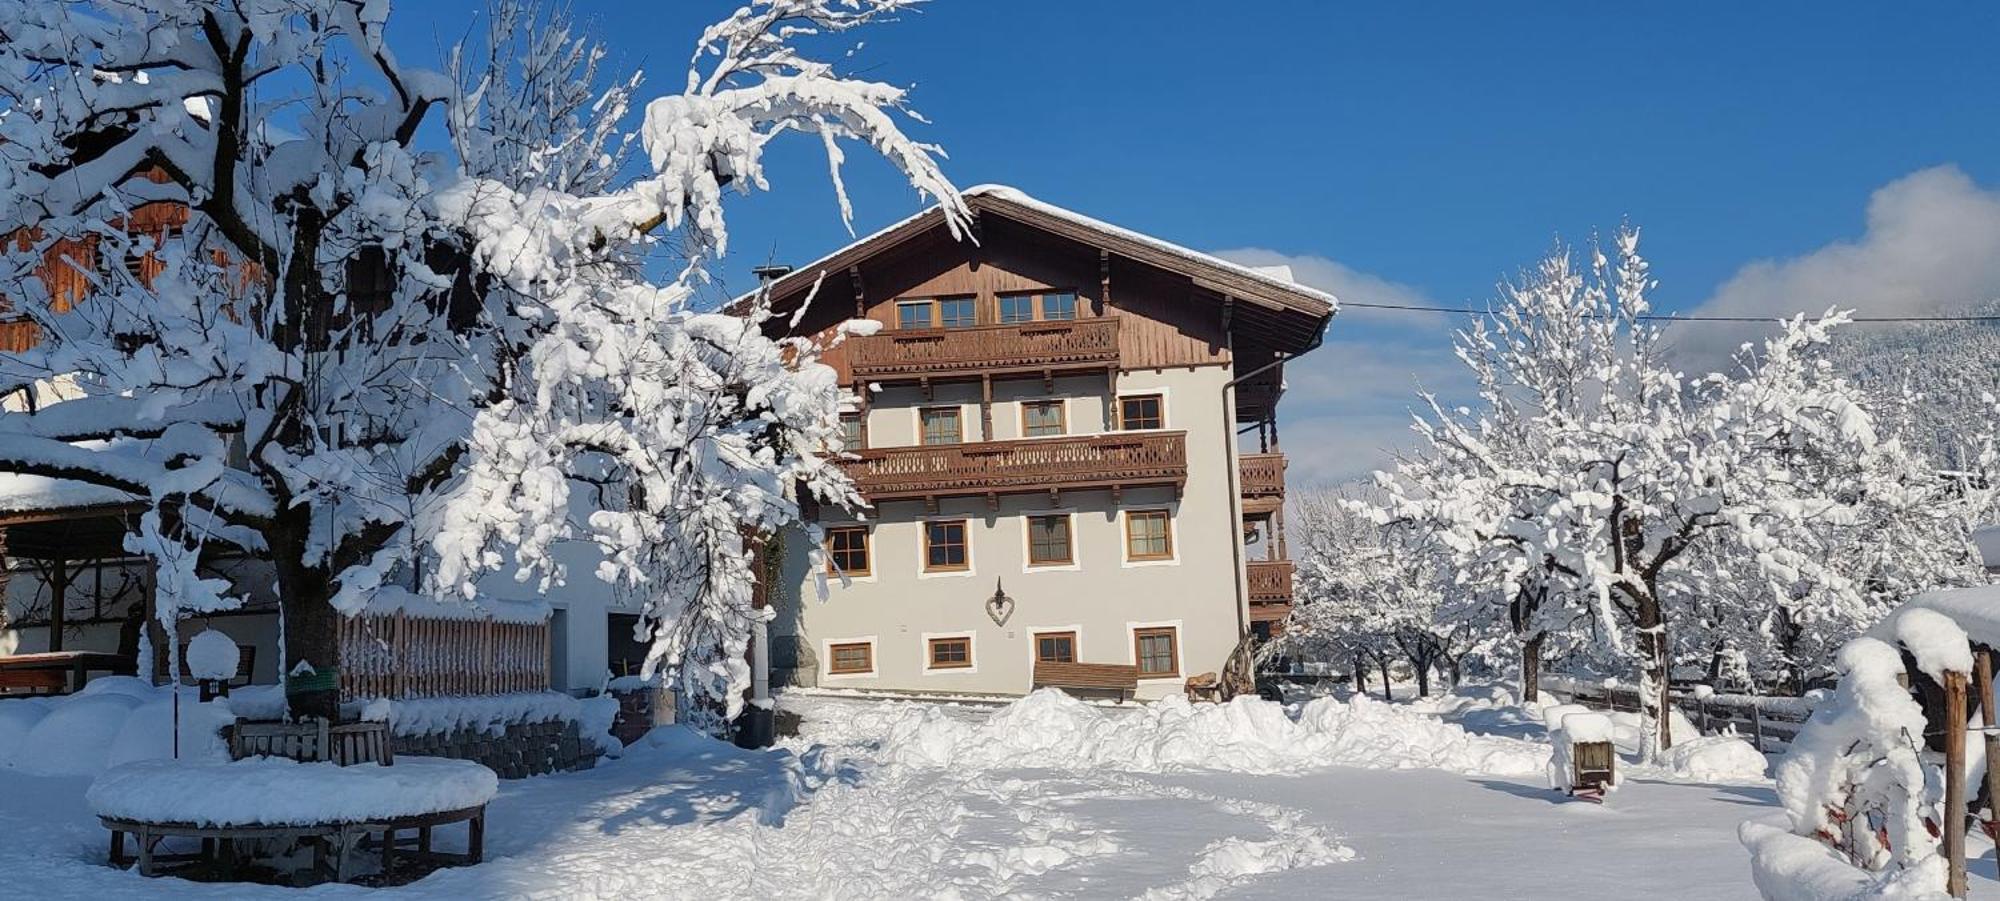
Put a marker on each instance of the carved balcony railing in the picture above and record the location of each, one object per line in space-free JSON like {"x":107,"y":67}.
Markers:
{"x":1263,"y":476}
{"x":1115,"y":460}
{"x":1022,"y":347}
{"x":1270,"y":582}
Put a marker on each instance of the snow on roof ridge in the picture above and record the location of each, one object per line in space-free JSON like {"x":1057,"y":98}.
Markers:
{"x":1016,"y":195}
{"x":1011,"y":194}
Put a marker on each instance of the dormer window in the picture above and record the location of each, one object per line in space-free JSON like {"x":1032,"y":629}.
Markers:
{"x":957,"y":312}
{"x":1047,"y":306}
{"x":914,"y":314}
{"x":1017,"y":308}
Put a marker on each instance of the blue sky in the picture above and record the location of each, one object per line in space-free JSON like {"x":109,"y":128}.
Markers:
{"x":1778,"y":156}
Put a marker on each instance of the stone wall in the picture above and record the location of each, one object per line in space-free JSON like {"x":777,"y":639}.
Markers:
{"x":524,"y":749}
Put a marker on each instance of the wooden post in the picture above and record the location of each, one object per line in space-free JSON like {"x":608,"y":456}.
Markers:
{"x":58,"y":602}
{"x":1983,"y":659}
{"x":986,"y":407}
{"x":1757,"y":727}
{"x":1954,"y":783}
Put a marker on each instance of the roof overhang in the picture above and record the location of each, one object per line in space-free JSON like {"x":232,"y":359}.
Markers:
{"x":1293,"y":314}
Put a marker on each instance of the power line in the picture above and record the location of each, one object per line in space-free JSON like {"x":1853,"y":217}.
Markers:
{"x":1669,"y":317}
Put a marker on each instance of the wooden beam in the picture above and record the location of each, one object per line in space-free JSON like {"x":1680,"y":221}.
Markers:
{"x":860,"y":295}
{"x":1104,"y":276}
{"x":1983,"y":672}
{"x":986,"y":408}
{"x":58,"y":601}
{"x":1954,"y":783}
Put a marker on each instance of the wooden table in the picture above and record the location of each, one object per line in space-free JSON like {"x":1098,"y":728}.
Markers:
{"x":78,"y":664}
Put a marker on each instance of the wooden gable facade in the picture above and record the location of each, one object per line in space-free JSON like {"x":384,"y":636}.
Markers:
{"x":1140,"y":304}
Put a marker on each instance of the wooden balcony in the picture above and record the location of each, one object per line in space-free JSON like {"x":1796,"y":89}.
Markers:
{"x":1115,"y":460}
{"x":1261,"y":480}
{"x":1270,"y":589}
{"x":1270,"y":581}
{"x":992,"y":349}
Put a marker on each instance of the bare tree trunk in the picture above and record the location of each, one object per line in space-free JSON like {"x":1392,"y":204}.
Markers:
{"x":1655,"y":700}
{"x":1382,"y":661}
{"x":1423,"y":678}
{"x":311,"y":624}
{"x":1531,"y":668}
{"x":1360,"y":675}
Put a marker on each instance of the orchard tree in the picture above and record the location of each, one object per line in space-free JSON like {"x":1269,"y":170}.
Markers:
{"x":1594,"y":471}
{"x":1371,"y":591}
{"x":312,"y":337}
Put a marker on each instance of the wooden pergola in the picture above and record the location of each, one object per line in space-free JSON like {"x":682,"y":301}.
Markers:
{"x":58,"y":540}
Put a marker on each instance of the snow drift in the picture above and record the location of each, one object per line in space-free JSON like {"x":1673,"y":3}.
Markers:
{"x":1247,"y":735}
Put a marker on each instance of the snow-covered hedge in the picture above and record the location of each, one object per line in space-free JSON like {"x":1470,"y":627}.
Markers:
{"x":492,"y":714}
{"x":1051,"y":729}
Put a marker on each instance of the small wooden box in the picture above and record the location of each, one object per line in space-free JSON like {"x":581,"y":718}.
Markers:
{"x":1595,"y":763}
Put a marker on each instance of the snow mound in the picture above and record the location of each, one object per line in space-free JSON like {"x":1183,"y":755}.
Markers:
{"x":1715,"y":758}
{"x":212,"y":655}
{"x":18,"y":717}
{"x":148,"y":732}
{"x":1247,"y":735}
{"x":273,"y":791}
{"x":76,"y":736}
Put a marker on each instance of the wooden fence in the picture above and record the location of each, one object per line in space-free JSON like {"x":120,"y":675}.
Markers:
{"x":1768,"y":723}
{"x":395,"y":655}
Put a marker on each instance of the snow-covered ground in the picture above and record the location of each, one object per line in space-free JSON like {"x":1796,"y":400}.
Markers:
{"x":1043,"y":798}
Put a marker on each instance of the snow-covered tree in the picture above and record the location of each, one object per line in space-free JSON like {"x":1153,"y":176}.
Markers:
{"x":1372,"y":591}
{"x":314,"y":338}
{"x":1594,"y":474}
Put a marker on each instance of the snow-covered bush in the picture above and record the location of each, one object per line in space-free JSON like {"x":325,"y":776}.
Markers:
{"x":1716,"y":758}
{"x":212,"y":655}
{"x":1855,"y":783}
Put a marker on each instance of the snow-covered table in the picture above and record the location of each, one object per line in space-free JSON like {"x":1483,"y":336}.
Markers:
{"x":266,"y":798}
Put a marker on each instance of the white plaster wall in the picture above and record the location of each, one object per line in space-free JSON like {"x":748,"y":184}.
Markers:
{"x":1102,"y":597}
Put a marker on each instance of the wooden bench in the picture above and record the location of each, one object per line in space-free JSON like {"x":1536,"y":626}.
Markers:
{"x":1117,"y":680}
{"x":346,"y":744}
{"x":33,"y":681}
{"x":227,"y":848}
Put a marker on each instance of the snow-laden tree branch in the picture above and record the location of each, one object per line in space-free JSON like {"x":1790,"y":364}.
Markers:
{"x":370,"y":360}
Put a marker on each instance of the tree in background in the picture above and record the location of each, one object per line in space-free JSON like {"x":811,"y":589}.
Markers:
{"x":1594,"y":475}
{"x":300,"y":333}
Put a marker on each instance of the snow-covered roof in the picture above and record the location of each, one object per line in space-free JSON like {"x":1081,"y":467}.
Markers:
{"x":1975,"y":610}
{"x":37,"y":494}
{"x":1270,"y":287}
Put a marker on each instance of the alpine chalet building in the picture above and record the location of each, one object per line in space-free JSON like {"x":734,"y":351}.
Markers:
{"x":1066,"y":432}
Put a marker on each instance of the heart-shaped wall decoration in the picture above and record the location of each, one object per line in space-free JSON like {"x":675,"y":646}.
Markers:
{"x":999,"y":607}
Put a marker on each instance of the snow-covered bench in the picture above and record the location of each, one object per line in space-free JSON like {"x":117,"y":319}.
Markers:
{"x":1119,"y":680}
{"x":333,"y":808}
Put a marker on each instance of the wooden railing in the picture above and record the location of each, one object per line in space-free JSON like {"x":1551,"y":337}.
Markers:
{"x":394,"y":655}
{"x":1027,"y":346}
{"x":1263,"y":475}
{"x":1270,"y":581}
{"x":1085,"y":461}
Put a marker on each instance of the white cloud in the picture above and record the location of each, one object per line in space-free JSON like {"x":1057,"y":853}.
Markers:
{"x":1932,"y":244}
{"x":1346,"y":406}
{"x":1339,"y":279}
